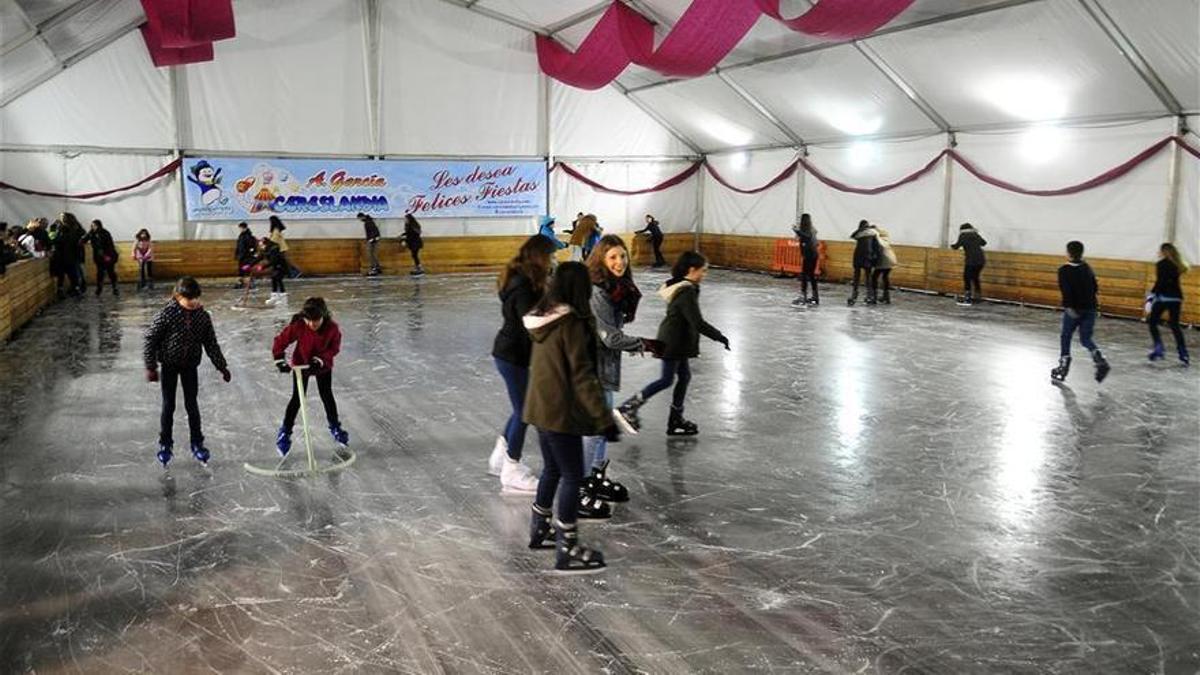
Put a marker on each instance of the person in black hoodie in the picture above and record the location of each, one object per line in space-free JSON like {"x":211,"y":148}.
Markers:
{"x":1167,"y":296}
{"x":245,"y":252}
{"x":679,"y":334}
{"x":810,"y":253}
{"x":104,"y":256}
{"x":521,"y":285}
{"x":176,"y":339}
{"x":972,"y":243}
{"x":866,"y":254}
{"x":411,"y":239}
{"x":371,"y":233}
{"x":272,"y":258}
{"x":1077,"y":282}
{"x":655,"y":233}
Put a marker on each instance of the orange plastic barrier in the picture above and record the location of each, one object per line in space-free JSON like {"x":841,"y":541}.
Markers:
{"x":788,"y":260}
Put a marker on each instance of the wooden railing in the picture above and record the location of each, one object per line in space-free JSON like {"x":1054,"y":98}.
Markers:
{"x":25,"y":288}
{"x":1020,"y":277}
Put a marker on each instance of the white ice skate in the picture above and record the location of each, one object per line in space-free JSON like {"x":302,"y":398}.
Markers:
{"x":516,"y":478}
{"x":499,"y":454}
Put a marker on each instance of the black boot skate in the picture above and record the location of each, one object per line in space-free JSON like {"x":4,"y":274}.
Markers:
{"x":600,"y":486}
{"x":1064,"y":366}
{"x":678,"y":426}
{"x":541,"y":532}
{"x":164,"y":453}
{"x":1183,"y":356}
{"x":626,"y":415}
{"x":592,"y":507}
{"x":1102,"y":366}
{"x":571,"y":557}
{"x":200,"y":452}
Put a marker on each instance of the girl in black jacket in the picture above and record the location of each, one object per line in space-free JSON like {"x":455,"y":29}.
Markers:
{"x":972,"y":243}
{"x":866,"y":254}
{"x":522,"y":284}
{"x":679,"y":334}
{"x":412,"y":240}
{"x":809,"y":254}
{"x":175,"y":339}
{"x":104,"y":255}
{"x":1167,"y":296}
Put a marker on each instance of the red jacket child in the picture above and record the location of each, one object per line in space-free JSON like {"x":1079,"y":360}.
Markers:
{"x":314,"y":348}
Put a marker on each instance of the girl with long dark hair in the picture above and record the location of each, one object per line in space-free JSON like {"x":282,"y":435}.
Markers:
{"x":1167,"y":296}
{"x":809,"y":254}
{"x":413,"y":242}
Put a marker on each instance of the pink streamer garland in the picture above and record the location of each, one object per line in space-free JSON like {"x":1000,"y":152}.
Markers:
{"x":703,"y":36}
{"x":668,"y":183}
{"x":165,"y":170}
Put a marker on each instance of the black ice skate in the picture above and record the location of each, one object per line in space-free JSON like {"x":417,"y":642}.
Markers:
{"x":600,"y":486}
{"x":1102,"y":366}
{"x":678,"y":426}
{"x":200,"y":452}
{"x":1060,"y":373}
{"x":571,"y":557}
{"x":541,"y":533}
{"x":592,"y":508}
{"x":626,"y":415}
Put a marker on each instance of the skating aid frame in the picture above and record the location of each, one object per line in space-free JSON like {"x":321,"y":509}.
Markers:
{"x":313,"y":468}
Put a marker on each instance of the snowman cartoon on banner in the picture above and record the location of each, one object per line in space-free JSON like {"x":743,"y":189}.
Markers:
{"x":258,"y":191}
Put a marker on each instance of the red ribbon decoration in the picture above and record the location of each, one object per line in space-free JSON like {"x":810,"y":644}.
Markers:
{"x":705,"y":34}
{"x":600,"y":58}
{"x":843,"y":19}
{"x":668,"y":183}
{"x":165,"y":170}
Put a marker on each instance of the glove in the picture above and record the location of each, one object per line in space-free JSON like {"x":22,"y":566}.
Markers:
{"x":655,"y":347}
{"x":612,"y":434}
{"x":282,"y":366}
{"x":151,"y":375}
{"x":317,"y":363}
{"x":725,"y":341}
{"x":226,"y":375}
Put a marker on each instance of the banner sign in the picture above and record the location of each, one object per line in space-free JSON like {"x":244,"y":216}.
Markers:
{"x":245,"y":188}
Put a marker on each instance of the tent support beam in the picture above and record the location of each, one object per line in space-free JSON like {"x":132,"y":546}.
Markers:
{"x":578,"y":18}
{"x":658,"y":118}
{"x":894,"y":77}
{"x":1174,"y":181}
{"x":70,"y":61}
{"x":760,"y":108}
{"x":497,"y":16}
{"x":1132,"y":55}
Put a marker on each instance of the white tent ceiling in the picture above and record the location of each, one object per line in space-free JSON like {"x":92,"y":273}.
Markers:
{"x":941,"y":65}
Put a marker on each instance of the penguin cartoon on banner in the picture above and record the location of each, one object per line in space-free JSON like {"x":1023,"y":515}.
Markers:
{"x":208,"y":180}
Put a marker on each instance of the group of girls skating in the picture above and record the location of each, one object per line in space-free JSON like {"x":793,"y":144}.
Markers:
{"x":183,"y":331}
{"x":559,"y":352}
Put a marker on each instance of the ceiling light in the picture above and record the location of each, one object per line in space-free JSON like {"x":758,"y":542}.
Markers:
{"x":1030,"y":98}
{"x":1042,"y":143}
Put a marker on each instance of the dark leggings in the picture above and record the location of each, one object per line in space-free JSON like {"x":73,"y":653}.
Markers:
{"x":324,"y":387}
{"x":866,"y":278}
{"x":186,"y":376}
{"x":516,"y":382}
{"x":1172,"y":310}
{"x":971,"y":277}
{"x":416,"y":256}
{"x":878,"y":274}
{"x":808,"y":274}
{"x":277,"y":283}
{"x":562,"y":471}
{"x":657,"y":243}
{"x":101,"y":270}
{"x":145,"y":273}
{"x":671,"y":369}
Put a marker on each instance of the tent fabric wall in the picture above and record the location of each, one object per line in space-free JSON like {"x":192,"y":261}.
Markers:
{"x":455,"y":82}
{"x":155,"y":206}
{"x":912,"y":214}
{"x":605,"y":123}
{"x":674,"y":208}
{"x":1165,"y":33}
{"x":116,"y":98}
{"x":292,"y":81}
{"x":1125,"y":219}
{"x":768,"y":213}
{"x":1187,"y":224}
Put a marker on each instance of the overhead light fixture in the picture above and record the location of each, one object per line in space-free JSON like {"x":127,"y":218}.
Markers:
{"x":863,"y":154}
{"x":726,"y":133}
{"x":1042,"y":143}
{"x":849,"y":119}
{"x":1032,"y":98}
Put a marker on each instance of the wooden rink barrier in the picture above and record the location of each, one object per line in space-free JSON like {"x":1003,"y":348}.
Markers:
{"x":25,"y":288}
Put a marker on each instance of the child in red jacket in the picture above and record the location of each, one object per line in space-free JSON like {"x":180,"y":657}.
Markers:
{"x":318,"y":339}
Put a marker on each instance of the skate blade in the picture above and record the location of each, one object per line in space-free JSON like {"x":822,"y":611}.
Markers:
{"x":624,"y":424}
{"x":578,"y":572}
{"x":516,"y":492}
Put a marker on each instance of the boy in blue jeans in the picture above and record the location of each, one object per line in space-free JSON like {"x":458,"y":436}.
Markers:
{"x":1077,"y":283}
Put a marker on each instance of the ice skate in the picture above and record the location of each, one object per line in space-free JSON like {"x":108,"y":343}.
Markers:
{"x":1157,"y":353}
{"x":1183,"y":356}
{"x":201,"y":453}
{"x":541,"y":532}
{"x":799,"y":301}
{"x":600,"y":486}
{"x":851,"y":300}
{"x":516,"y":478}
{"x":283,"y":441}
{"x":1059,"y":373}
{"x":164,"y":453}
{"x":340,"y":435}
{"x":273,"y":299}
{"x":417,"y":272}
{"x":571,"y":557}
{"x":627,"y":414}
{"x":964,"y":300}
{"x":281,"y":299}
{"x":499,"y":454}
{"x":678,"y":426}
{"x":593,"y":508}
{"x":1102,"y":366}
{"x":887,"y":298}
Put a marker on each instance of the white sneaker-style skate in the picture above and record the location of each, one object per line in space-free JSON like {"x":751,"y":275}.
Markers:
{"x":499,"y":454}
{"x":515,"y":477}
{"x":273,"y":299}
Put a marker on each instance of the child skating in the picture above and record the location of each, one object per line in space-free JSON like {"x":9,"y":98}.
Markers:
{"x":565,"y":402}
{"x":883,"y":268}
{"x":317,"y":339}
{"x":971,"y":243}
{"x":1078,"y":285}
{"x":175,"y":339}
{"x":1167,"y":296}
{"x":810,"y":253}
{"x":866,"y":254}
{"x":143,"y":253}
{"x":679,"y":334}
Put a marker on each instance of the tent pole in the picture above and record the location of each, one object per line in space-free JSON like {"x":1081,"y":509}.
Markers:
{"x":698,"y":229}
{"x":947,"y":190}
{"x":802,"y":151}
{"x":173,"y":84}
{"x":1174,"y":183}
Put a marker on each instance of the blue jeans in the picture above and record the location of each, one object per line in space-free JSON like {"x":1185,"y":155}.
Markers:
{"x":671,"y":369}
{"x":595,"y":448}
{"x":562,"y":472}
{"x":1085,"y":322}
{"x":516,"y":381}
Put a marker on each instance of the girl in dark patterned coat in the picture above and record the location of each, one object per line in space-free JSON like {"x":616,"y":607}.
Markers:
{"x":175,"y":339}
